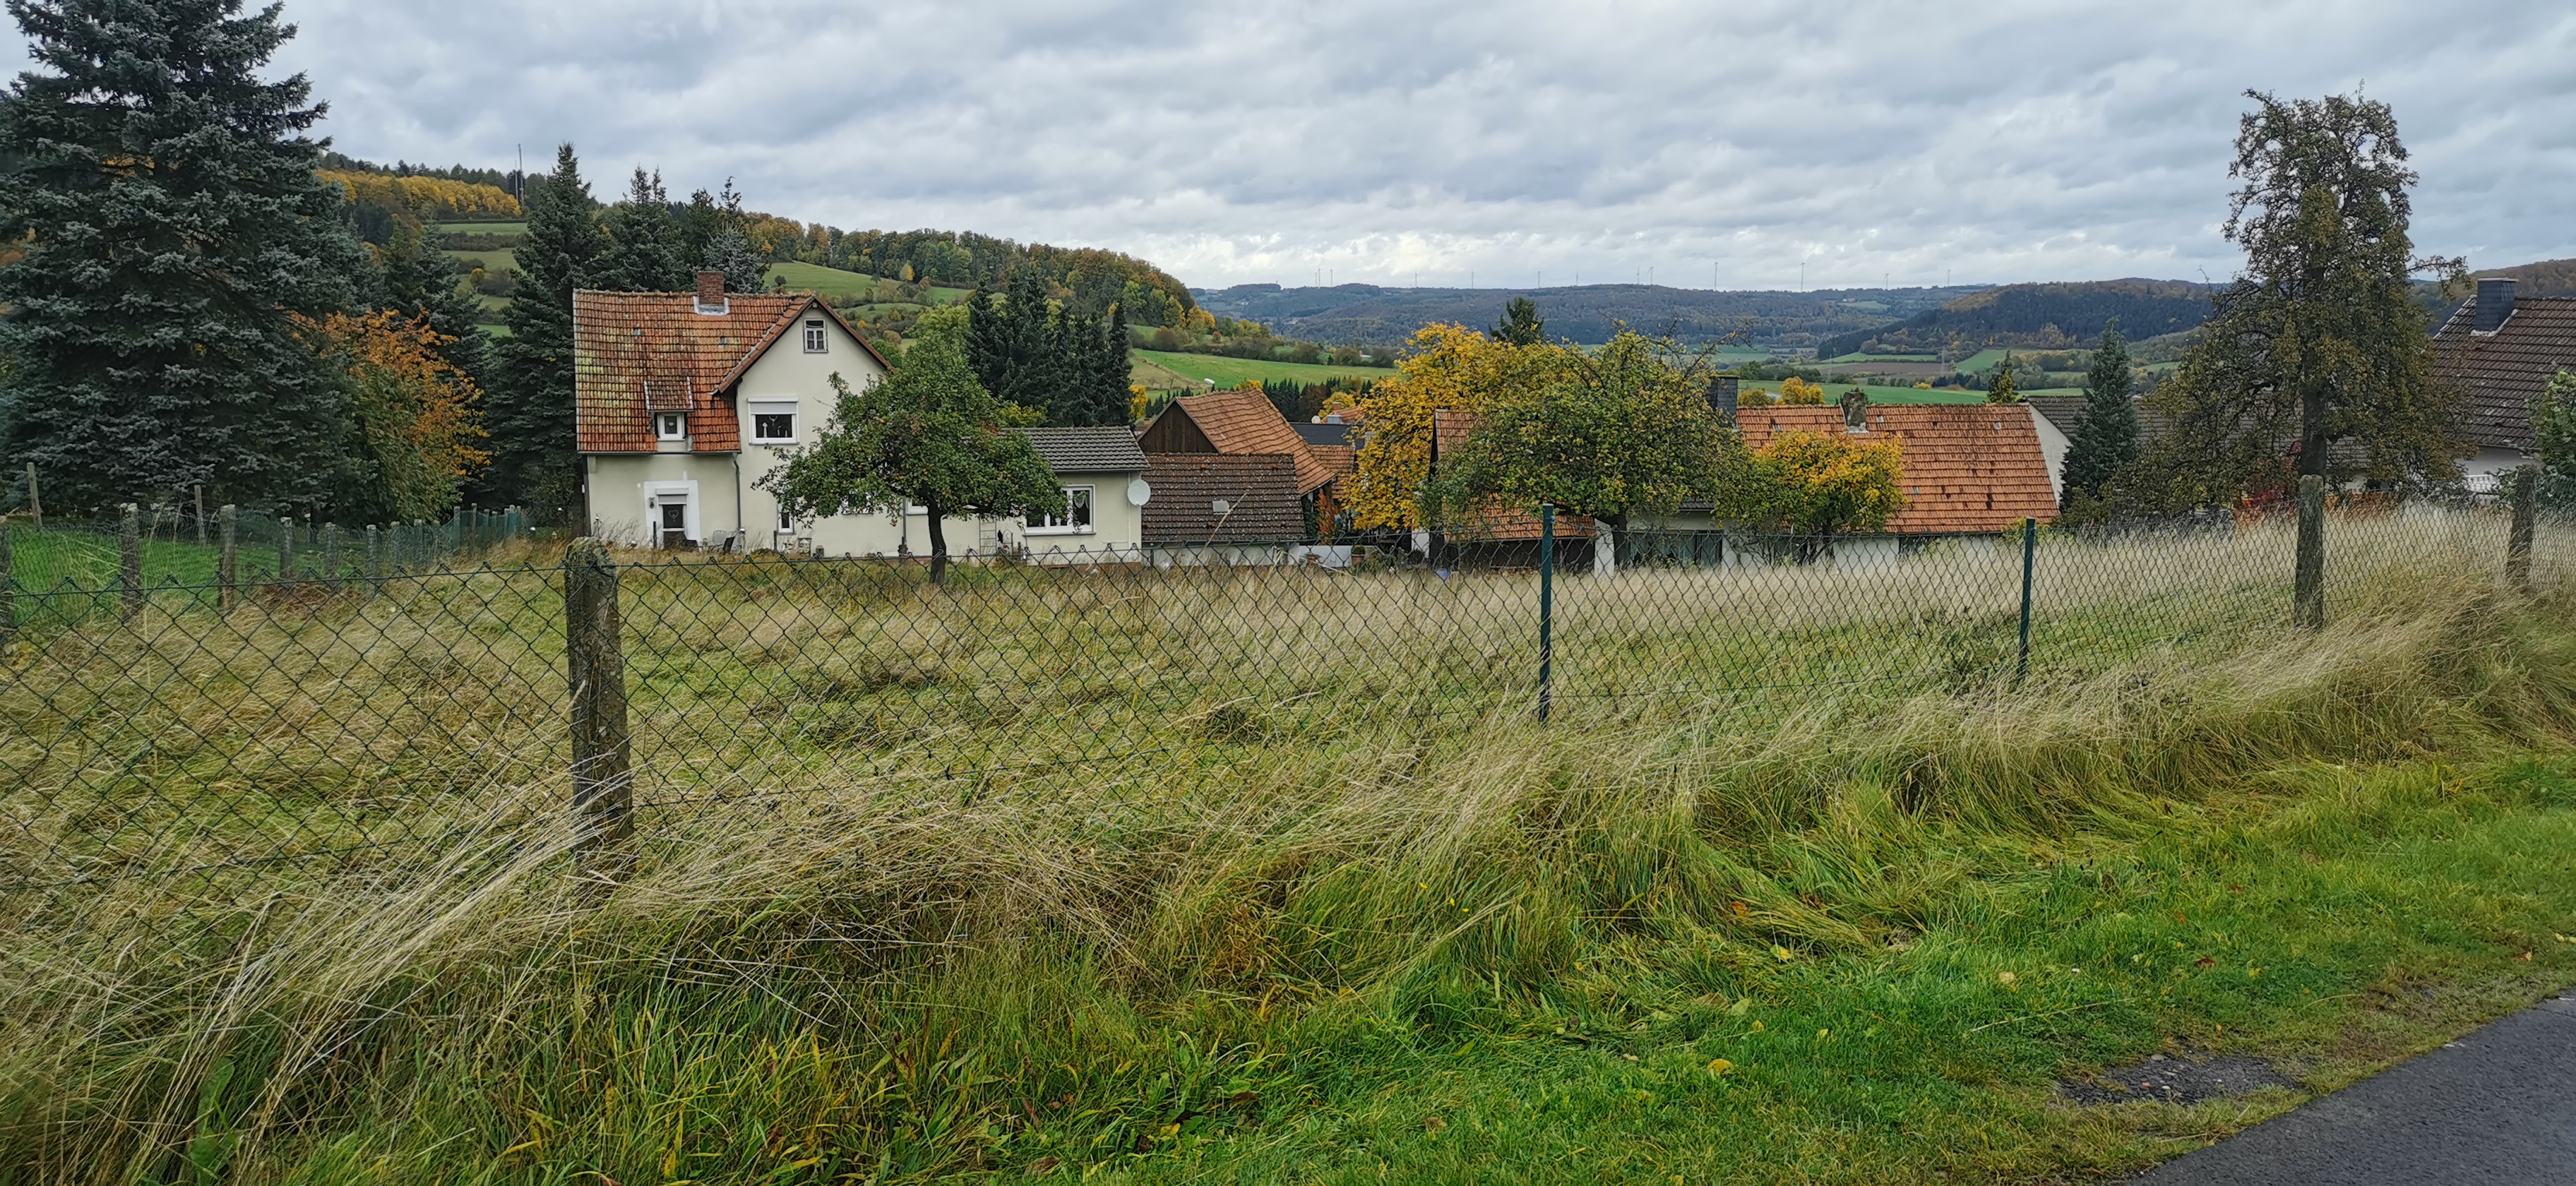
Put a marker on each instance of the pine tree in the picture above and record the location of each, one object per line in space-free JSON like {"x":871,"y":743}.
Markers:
{"x":1111,"y":406}
{"x":173,"y":229}
{"x":2106,"y":432}
{"x":1011,"y":345}
{"x":1520,"y":325}
{"x":2005,"y":390}
{"x":641,"y":236}
{"x":535,"y":460}
{"x":730,"y":250}
{"x":1070,"y":363}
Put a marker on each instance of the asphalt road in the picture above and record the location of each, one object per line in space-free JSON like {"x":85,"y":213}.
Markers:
{"x":2497,"y":1107}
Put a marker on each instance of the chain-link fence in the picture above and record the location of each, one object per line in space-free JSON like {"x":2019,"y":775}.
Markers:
{"x":346,"y":718}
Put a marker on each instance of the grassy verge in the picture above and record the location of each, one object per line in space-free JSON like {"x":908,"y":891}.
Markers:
{"x":1715,"y":937}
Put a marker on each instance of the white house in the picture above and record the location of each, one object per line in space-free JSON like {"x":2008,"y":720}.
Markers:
{"x":683,"y":401}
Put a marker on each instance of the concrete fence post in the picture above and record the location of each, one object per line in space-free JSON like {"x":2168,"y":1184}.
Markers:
{"x":285,"y":549}
{"x":2526,"y":513}
{"x":227,"y":557}
{"x":331,"y":556}
{"x":375,"y":562}
{"x":2308,"y":586}
{"x":129,"y":554}
{"x":602,"y":778}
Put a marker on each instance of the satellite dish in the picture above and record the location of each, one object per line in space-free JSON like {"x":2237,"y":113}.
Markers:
{"x":1138,"y":492}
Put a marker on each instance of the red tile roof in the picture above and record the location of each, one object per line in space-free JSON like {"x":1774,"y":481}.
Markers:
{"x":639,"y":351}
{"x":1968,"y":467}
{"x":2501,"y":373}
{"x":1450,"y":428}
{"x":1246,"y":422}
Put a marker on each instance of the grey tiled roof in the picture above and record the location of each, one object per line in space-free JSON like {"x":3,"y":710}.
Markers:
{"x":1325,"y":434}
{"x":2503,"y":372}
{"x":1087,"y":450}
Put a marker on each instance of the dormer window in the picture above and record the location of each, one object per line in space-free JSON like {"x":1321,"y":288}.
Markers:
{"x":815,"y":342}
{"x":671,"y":426}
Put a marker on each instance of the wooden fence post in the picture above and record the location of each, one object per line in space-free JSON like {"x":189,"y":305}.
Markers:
{"x":129,"y":554}
{"x":285,"y":549}
{"x":201,"y":514}
{"x":2526,"y":511}
{"x":227,"y":557}
{"x":2308,"y":586}
{"x":35,"y":505}
{"x":602,"y":780}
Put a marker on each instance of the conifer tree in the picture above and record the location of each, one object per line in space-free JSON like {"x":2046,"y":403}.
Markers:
{"x":639,"y":256}
{"x":2006,"y":389}
{"x":1520,"y":325}
{"x":529,"y":410}
{"x":730,"y":250}
{"x":1013,"y":347}
{"x":2106,"y":432}
{"x":173,"y":230}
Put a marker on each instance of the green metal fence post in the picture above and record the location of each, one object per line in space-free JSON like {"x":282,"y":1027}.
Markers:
{"x":2526,"y":511}
{"x":8,"y":593}
{"x":129,"y":568}
{"x":2029,"y":558}
{"x":1546,"y":605}
{"x":227,"y":557}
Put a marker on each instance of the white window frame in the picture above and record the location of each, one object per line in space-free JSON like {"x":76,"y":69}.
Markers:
{"x":1044,"y":524}
{"x":670,"y":426}
{"x":689,"y":514}
{"x":818,"y":340}
{"x":754,"y":409}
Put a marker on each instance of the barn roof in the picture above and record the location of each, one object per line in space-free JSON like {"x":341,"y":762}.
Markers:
{"x":1968,"y":467}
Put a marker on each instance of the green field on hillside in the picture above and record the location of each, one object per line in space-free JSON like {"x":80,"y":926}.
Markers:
{"x":1849,"y":358}
{"x":838,"y":284}
{"x":482,"y":228}
{"x":1227,"y":372}
{"x":494,"y":262}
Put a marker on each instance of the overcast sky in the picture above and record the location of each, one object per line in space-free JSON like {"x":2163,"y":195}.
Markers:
{"x":1976,"y":140}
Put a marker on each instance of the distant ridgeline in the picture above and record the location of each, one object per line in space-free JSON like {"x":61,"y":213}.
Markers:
{"x":2038,"y":316}
{"x":1371,"y":315}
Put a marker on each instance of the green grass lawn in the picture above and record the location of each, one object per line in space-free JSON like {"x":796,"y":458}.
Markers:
{"x":1227,"y":372}
{"x":483,"y":228}
{"x":494,"y":262}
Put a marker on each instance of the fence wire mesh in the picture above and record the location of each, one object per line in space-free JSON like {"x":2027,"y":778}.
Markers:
{"x":345,"y":721}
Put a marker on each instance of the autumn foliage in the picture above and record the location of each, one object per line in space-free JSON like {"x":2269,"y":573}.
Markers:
{"x":416,"y":411}
{"x":1808,"y":483}
{"x":429,"y":198}
{"x":1445,"y":366}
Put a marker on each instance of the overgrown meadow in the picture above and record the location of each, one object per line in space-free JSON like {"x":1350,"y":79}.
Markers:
{"x":1272,"y":873}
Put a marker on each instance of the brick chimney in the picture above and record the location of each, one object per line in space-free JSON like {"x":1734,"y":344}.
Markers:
{"x":2495,"y":304}
{"x":711,"y":293}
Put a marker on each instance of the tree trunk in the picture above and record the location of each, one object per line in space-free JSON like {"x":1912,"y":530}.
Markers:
{"x":938,"y":542}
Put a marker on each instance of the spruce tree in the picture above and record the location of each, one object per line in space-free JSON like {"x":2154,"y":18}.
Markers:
{"x":730,"y":250}
{"x":639,"y":256}
{"x":2106,"y":432}
{"x":1012,"y":346}
{"x":1071,"y":363}
{"x":1115,"y":372}
{"x":173,"y":229}
{"x":535,"y":459}
{"x":1520,"y":325}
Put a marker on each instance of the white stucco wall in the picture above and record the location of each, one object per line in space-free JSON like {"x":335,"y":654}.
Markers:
{"x":722,"y":497}
{"x":2053,"y":445}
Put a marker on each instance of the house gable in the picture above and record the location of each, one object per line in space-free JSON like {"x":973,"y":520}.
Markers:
{"x":1238,"y":423}
{"x":635,"y":353}
{"x":2500,"y":373}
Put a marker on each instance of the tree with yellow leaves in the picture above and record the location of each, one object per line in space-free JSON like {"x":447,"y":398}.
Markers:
{"x":1818,"y":485}
{"x":416,"y":415}
{"x":1445,"y":366}
{"x":1795,"y":390}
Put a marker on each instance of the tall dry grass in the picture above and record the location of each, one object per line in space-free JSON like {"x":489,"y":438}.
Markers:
{"x":1328,"y":795}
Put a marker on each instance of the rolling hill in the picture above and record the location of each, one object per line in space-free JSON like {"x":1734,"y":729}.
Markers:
{"x":1370,"y":315}
{"x":2038,"y":316}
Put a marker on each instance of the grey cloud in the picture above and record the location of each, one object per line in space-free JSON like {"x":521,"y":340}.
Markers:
{"x":1989,"y":140}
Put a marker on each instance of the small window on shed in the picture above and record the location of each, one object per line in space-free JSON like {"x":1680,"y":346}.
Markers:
{"x":815,"y":342}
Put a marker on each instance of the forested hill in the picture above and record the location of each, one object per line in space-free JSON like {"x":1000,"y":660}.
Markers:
{"x":2041,"y":316}
{"x":1370,"y":315}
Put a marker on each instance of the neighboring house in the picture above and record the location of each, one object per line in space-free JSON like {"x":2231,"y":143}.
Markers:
{"x":1970,"y":470}
{"x":1213,"y":507}
{"x":1247,"y":424}
{"x":683,"y":401}
{"x":1502,"y":535}
{"x":1105,"y":496}
{"x":2501,"y":352}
